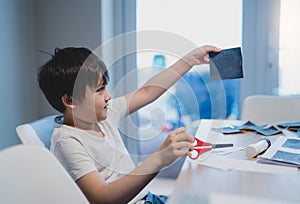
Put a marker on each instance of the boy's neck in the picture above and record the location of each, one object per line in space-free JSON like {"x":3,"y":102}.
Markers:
{"x":92,"y":128}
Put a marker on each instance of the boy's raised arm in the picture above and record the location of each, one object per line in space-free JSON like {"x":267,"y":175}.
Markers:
{"x":159,"y":83}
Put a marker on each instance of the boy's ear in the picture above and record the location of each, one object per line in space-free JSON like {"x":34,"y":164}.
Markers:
{"x":67,"y":101}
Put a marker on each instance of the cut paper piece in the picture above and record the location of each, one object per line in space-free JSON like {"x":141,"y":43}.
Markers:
{"x":262,"y":129}
{"x":269,"y":131}
{"x":292,"y":143}
{"x":250,"y":126}
{"x":224,"y":163}
{"x":295,"y":129}
{"x":227,"y":130}
{"x":293,"y":126}
{"x":287,"y":125}
{"x":226,"y":64}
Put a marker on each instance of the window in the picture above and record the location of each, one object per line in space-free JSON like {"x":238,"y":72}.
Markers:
{"x":289,"y":64}
{"x":187,"y":23}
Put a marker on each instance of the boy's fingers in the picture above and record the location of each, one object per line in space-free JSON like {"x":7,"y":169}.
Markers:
{"x":210,"y":48}
{"x":173,"y":135}
{"x":182,"y":153}
{"x":184,"y":137}
{"x":184,"y":144}
{"x":180,"y":130}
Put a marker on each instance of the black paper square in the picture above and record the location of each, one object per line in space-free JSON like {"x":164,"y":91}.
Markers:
{"x":226,"y":64}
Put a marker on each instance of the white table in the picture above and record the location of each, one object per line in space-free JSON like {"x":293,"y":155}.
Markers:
{"x":200,"y":183}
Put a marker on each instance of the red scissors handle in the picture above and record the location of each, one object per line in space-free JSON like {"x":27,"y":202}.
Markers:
{"x":201,"y":147}
{"x":199,"y":151}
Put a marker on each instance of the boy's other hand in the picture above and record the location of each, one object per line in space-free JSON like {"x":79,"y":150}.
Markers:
{"x":177,"y":144}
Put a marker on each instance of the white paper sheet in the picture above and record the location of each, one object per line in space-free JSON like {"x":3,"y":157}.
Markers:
{"x":284,"y":151}
{"x":224,"y":163}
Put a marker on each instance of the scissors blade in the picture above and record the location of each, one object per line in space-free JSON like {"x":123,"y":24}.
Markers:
{"x":221,"y":145}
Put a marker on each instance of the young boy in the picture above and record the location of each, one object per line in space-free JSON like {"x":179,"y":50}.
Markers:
{"x":88,"y":143}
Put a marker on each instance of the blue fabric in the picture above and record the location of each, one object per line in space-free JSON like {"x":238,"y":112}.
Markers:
{"x":155,"y":199}
{"x":44,"y":128}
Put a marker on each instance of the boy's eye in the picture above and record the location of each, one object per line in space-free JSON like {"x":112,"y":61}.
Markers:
{"x":101,"y":89}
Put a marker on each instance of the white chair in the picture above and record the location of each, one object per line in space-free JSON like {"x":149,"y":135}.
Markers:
{"x":271,"y":109}
{"x":38,"y":132}
{"x":30,"y":174}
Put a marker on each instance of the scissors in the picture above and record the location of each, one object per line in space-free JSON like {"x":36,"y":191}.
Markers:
{"x":201,"y":147}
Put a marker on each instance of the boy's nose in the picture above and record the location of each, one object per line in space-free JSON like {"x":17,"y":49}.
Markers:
{"x":107,"y":96}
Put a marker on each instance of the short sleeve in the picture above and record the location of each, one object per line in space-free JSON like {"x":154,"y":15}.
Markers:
{"x":74,"y":158}
{"x":118,"y":108}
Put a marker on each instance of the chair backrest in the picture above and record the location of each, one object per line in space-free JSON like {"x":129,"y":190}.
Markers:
{"x":31,"y":174}
{"x":38,"y":132}
{"x":271,"y":109}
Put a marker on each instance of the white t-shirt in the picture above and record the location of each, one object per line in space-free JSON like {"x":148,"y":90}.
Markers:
{"x":81,"y":153}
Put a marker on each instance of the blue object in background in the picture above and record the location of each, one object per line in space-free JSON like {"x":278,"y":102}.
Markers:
{"x":203,"y":98}
{"x":159,"y":60}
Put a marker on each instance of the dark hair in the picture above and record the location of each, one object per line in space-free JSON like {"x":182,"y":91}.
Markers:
{"x":69,"y":72}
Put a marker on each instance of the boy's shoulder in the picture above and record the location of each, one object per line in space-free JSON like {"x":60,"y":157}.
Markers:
{"x":62,"y":132}
{"x":117,"y":109}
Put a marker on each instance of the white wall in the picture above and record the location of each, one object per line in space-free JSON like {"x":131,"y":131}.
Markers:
{"x":63,"y":23}
{"x":17,"y":59}
{"x":28,"y":26}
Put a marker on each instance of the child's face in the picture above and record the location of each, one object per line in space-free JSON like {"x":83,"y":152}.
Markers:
{"x":94,"y":106}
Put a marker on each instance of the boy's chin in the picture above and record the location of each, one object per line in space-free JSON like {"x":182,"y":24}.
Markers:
{"x":101,"y":118}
